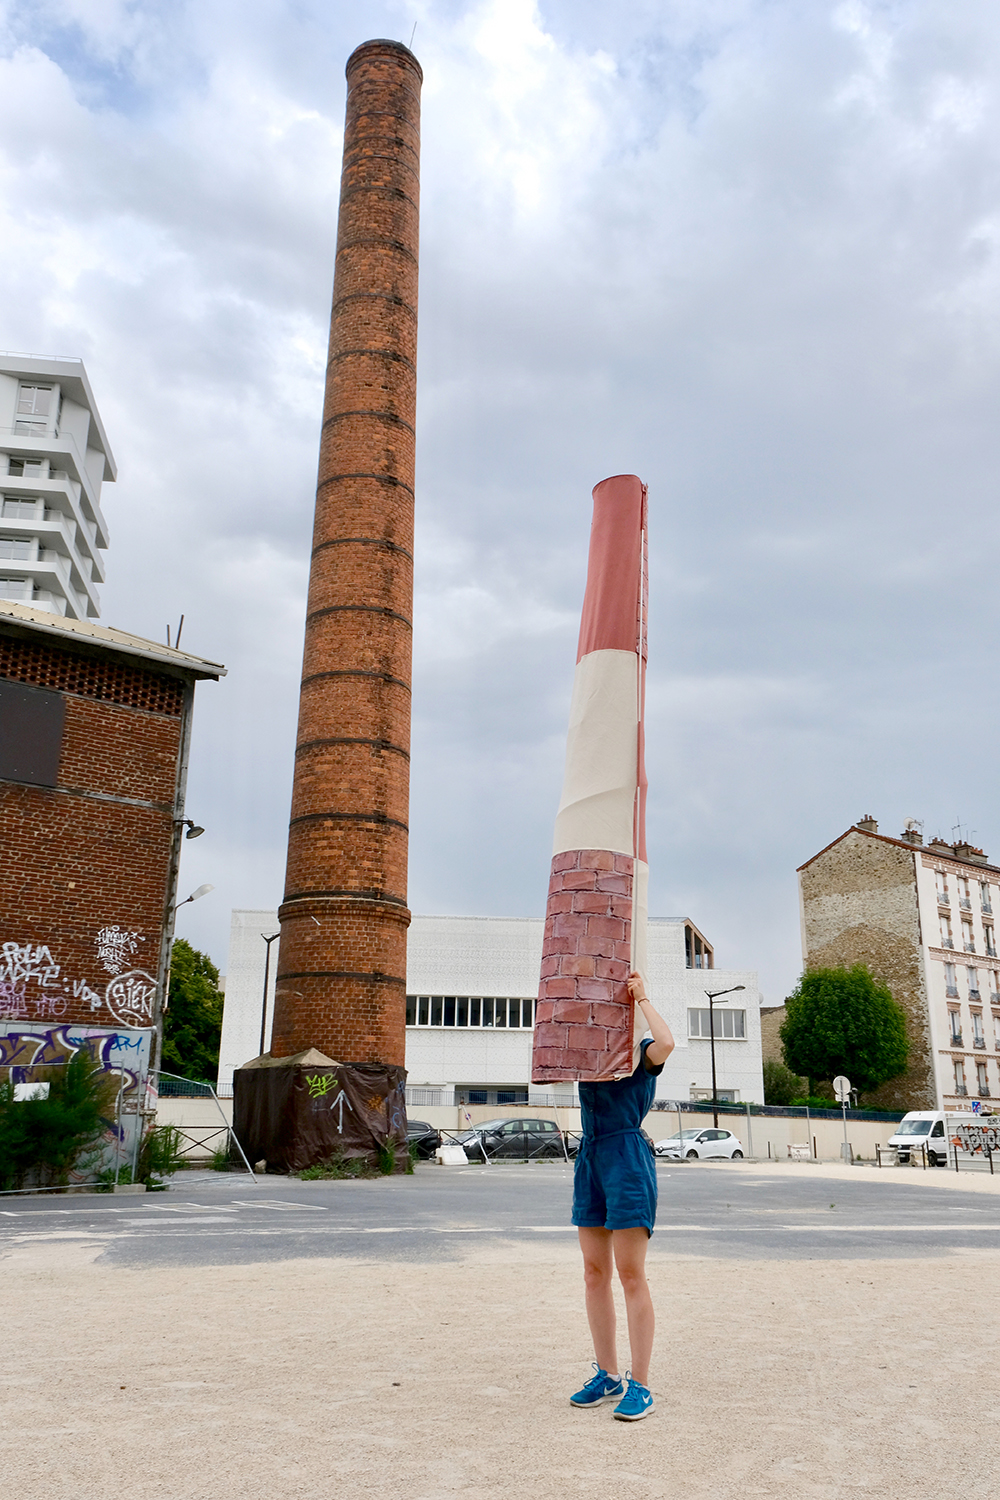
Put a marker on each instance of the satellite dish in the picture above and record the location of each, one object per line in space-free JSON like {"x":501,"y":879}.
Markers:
{"x":842,"y":1088}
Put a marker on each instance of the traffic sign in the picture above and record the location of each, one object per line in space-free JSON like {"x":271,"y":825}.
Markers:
{"x":842,"y":1089}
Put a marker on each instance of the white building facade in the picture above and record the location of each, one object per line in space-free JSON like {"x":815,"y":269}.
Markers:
{"x":471,"y":989}
{"x":54,"y":458}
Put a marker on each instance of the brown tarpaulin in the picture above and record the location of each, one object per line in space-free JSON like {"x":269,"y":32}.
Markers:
{"x":293,"y":1112}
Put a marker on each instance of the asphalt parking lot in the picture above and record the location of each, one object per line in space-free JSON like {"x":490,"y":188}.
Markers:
{"x":706,"y":1210}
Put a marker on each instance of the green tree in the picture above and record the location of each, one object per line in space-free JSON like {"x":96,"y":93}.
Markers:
{"x":192,"y":1025}
{"x":844,"y":1021}
{"x":781,"y":1085}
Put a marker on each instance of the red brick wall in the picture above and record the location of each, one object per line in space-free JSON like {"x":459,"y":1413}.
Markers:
{"x":583,"y":1020}
{"x":342,"y":958}
{"x":78,"y":860}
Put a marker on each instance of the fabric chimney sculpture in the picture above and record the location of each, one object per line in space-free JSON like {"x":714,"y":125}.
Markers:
{"x":586,"y":1026}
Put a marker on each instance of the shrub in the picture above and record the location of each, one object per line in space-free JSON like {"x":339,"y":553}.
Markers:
{"x":337,"y":1166}
{"x":42,"y":1140}
{"x":781,"y":1085}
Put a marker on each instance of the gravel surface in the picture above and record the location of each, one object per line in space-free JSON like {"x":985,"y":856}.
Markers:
{"x":447,"y":1374}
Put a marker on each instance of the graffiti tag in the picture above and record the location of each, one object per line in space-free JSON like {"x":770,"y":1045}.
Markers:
{"x":130,"y":998}
{"x":338,"y":1104}
{"x":22,"y":962}
{"x":115,"y":946}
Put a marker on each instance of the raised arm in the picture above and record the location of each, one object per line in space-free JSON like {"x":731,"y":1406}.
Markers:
{"x":663,"y":1043}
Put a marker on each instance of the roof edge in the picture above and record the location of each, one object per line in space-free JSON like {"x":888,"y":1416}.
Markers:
{"x":88,"y":632}
{"x":884,"y":838}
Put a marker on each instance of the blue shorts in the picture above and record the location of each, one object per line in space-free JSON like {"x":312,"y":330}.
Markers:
{"x":614,"y":1184}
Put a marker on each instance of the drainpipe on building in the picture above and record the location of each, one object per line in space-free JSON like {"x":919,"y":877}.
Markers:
{"x":173,"y":873}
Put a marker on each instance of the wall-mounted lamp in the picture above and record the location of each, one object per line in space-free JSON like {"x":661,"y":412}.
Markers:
{"x":193,"y":831}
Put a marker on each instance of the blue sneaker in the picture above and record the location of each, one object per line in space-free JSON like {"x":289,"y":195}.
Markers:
{"x":637,"y":1402}
{"x":600,"y":1388}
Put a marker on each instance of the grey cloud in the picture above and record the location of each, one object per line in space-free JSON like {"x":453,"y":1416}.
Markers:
{"x":750,"y":252}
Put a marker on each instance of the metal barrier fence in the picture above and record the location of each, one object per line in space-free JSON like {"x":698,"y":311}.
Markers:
{"x":956,"y":1158}
{"x":166,"y":1088}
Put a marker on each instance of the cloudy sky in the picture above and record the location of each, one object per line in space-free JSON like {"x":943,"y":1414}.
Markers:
{"x":747,"y":249}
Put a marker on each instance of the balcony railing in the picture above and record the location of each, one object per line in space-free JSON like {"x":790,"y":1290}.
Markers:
{"x":979,"y":1041}
{"x":987,"y":909}
{"x":961,"y":1089}
{"x":973,"y":994}
{"x":984,"y":1091}
{"x":970,"y":947}
{"x":956,"y":1039}
{"x":951,"y":992}
{"x":965,"y":902}
{"x":946,"y":942}
{"x":943,"y":898}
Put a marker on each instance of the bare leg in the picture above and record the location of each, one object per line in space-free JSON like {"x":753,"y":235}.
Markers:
{"x":630,"y":1246}
{"x":597,"y":1269}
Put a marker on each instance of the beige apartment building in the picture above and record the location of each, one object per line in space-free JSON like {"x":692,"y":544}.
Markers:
{"x":921,"y":917}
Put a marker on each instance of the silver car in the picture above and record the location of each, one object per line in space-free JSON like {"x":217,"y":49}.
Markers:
{"x":700,"y":1144}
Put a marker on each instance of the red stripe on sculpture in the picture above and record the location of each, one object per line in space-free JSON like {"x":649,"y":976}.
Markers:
{"x":612,"y":605}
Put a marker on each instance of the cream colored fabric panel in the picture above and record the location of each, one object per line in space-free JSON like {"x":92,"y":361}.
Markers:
{"x":597,"y":806}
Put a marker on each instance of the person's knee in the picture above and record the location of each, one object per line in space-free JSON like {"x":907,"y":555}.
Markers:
{"x":596,"y":1275}
{"x":632,"y":1278}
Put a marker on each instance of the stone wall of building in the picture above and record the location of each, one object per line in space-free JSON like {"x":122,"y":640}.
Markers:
{"x":771,"y":1020}
{"x":859,"y":905}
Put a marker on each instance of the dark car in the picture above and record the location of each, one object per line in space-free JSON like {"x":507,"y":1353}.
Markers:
{"x":514,"y":1140}
{"x":423,"y":1137}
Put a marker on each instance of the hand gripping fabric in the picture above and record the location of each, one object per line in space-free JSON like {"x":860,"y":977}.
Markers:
{"x":595,"y":919}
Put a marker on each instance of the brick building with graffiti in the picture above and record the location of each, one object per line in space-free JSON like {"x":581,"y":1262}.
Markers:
{"x":95,"y":729}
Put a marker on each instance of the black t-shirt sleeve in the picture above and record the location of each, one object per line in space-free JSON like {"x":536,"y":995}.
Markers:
{"x":653,"y":1071}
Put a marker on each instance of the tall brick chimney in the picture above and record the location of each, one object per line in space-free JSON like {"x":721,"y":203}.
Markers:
{"x":341,"y":982}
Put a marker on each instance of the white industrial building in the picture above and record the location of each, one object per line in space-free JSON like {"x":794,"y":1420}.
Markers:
{"x":471,"y":985}
{"x":54,"y":457}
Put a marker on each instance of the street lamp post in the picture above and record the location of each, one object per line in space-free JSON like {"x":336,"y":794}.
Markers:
{"x":713,"y":995}
{"x":267,"y":970}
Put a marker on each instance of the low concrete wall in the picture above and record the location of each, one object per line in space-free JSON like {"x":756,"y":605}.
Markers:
{"x":762,"y":1136}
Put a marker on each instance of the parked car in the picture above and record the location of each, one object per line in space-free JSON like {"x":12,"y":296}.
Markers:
{"x":700,"y":1144}
{"x":518,"y":1140}
{"x":424,"y":1137}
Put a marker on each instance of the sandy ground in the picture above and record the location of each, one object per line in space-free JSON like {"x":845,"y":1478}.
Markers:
{"x":327,"y":1378}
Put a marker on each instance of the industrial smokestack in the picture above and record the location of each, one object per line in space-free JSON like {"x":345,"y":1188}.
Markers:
{"x":341,"y":984}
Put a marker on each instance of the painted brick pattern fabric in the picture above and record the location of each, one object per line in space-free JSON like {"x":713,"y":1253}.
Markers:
{"x":584,"y":1018}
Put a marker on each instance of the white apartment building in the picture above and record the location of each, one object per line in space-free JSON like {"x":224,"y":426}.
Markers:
{"x":54,"y":457}
{"x":471,"y":989}
{"x":923,"y":919}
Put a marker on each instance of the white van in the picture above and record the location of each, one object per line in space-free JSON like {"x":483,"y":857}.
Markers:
{"x":936,"y":1131}
{"x":923,"y":1127}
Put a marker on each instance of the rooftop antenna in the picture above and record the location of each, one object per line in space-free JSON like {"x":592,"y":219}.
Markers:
{"x":412,"y":35}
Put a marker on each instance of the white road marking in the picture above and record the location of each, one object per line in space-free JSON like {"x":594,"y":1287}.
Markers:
{"x":279,"y":1206}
